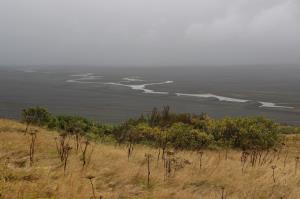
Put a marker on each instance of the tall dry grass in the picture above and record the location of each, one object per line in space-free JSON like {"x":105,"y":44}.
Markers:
{"x":112,"y":175}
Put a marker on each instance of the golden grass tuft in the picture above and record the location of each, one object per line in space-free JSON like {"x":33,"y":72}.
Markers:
{"x":109,"y":173}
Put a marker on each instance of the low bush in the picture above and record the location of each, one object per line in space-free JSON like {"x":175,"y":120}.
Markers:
{"x":180,"y":131}
{"x":183,"y":136}
{"x":36,"y":115}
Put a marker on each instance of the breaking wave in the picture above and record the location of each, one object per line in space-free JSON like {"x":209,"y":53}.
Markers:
{"x":228,"y":99}
{"x":132,"y":79}
{"x":84,"y":78}
{"x":142,"y":87}
{"x":208,"y":95}
{"x":273,"y":105}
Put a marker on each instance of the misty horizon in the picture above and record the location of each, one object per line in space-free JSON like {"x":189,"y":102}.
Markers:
{"x":149,"y":33}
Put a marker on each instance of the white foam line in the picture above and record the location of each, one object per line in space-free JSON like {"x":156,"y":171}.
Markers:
{"x":133,"y":79}
{"x":142,"y":87}
{"x":273,"y":105}
{"x":208,"y":95}
{"x":228,"y":99}
{"x":83,"y":77}
{"x":80,"y":82}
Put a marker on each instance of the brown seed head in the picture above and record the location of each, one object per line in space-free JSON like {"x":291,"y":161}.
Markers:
{"x":90,"y":177}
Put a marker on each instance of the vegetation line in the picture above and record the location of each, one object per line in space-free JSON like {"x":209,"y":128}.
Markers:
{"x":164,"y":129}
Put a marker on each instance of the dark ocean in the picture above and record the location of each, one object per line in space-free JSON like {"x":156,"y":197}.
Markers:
{"x":112,"y":94}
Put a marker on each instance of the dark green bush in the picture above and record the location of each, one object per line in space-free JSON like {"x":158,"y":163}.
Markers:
{"x":37,"y":116}
{"x":73,"y":124}
{"x":183,"y":136}
{"x":246,"y":133}
{"x":163,"y":128}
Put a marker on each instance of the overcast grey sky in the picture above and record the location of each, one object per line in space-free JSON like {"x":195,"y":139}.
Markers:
{"x":149,"y":32}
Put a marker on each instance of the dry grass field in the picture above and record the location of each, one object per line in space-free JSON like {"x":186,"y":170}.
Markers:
{"x":110,"y":174}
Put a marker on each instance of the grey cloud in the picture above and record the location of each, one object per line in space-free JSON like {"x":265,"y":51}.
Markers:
{"x":144,"y":32}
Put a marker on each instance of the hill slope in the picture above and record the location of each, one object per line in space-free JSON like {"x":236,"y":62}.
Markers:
{"x":113,"y":175}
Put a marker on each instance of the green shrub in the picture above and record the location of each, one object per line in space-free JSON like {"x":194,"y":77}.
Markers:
{"x":246,"y":133}
{"x":161,"y":129}
{"x":37,"y":116}
{"x":143,"y":132}
{"x":73,"y":124}
{"x":121,"y":132}
{"x":183,"y":136}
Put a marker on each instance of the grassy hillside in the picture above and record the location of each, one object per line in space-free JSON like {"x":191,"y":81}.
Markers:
{"x":108,"y":169}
